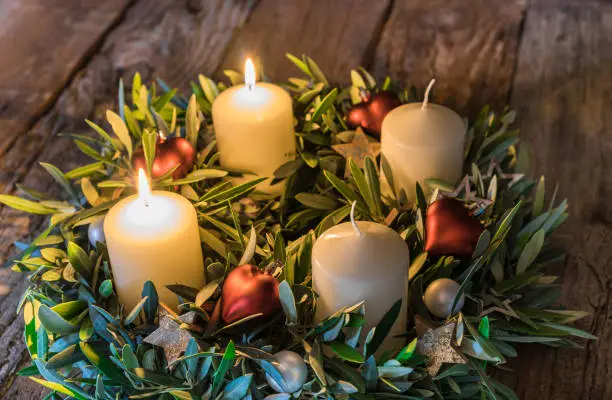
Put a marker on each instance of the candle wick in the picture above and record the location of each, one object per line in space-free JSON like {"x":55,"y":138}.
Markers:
{"x":250,"y":86}
{"x":357,"y":230}
{"x":426,"y":100}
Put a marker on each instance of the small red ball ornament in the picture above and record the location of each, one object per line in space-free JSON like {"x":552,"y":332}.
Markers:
{"x":248,"y":290}
{"x":169,"y":153}
{"x":369,"y":115}
{"x":450,"y":229}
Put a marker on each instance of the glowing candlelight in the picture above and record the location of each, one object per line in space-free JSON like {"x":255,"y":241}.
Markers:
{"x":153,"y":236}
{"x":254,"y":129}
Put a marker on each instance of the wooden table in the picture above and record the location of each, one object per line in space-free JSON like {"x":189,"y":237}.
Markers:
{"x":549,"y":59}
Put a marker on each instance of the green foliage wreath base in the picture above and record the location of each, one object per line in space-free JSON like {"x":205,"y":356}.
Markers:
{"x":84,"y":345}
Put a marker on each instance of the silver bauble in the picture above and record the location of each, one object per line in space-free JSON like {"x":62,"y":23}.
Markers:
{"x":95,"y":232}
{"x":293,"y":370}
{"x":440,"y":295}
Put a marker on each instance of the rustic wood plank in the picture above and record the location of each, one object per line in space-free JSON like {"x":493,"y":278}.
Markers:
{"x":174,"y":40}
{"x":42,"y":43}
{"x":468,"y":46}
{"x":562,"y":95}
{"x":328,"y":31}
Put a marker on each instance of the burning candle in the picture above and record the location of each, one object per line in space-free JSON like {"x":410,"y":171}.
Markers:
{"x":421,"y":141}
{"x":254,"y":129}
{"x":153,"y":236}
{"x":356,"y":261}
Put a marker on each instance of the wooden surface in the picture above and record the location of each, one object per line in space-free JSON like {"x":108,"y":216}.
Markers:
{"x":550,"y":59}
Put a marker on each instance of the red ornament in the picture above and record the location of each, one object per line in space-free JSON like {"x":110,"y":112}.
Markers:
{"x":169,"y":153}
{"x":450,"y":229}
{"x":248,"y":290}
{"x":369,"y":115}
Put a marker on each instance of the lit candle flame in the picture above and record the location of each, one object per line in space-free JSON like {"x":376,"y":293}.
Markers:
{"x":144,"y":190}
{"x":249,"y":74}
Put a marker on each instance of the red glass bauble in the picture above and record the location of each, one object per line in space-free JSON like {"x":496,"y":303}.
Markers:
{"x":450,"y":229}
{"x":169,"y":153}
{"x":369,"y":115}
{"x":248,"y":290}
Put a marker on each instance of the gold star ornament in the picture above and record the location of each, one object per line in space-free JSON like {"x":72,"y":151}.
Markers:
{"x":358,"y":149}
{"x":438,"y":345}
{"x":170,"y":336}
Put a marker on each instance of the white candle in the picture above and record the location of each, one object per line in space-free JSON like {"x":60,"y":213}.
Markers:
{"x":153,"y":236}
{"x":356,"y":261}
{"x":254,"y":129}
{"x":421,"y":141}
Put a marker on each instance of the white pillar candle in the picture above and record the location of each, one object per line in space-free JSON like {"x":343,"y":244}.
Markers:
{"x":421,"y":141}
{"x":254,"y":129}
{"x":356,"y":261}
{"x":153,"y":236}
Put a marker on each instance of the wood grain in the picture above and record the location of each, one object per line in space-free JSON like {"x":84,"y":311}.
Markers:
{"x":172,"y":39}
{"x":336,"y":34}
{"x":562,"y":96}
{"x":43,"y":42}
{"x":468,"y":46}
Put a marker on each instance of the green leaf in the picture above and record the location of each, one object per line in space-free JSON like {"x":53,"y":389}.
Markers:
{"x":85,"y":170}
{"x":105,"y":136}
{"x":59,"y":178}
{"x":362,"y":186}
{"x":384,"y":327}
{"x":89,"y":191}
{"x":530,"y":252}
{"x":235,"y":77}
{"x":341,"y":187}
{"x":280,"y":253}
{"x":129,"y":358}
{"x":316,"y":201}
{"x":132,"y":315}
{"x":103,"y":363}
{"x":79,"y":259}
{"x":149,"y":141}
{"x":200,"y":175}
{"x":209,"y":88}
{"x":237,"y":388}
{"x":231,"y":193}
{"x":59,"y":388}
{"x":288,"y":168}
{"x":206,"y":292}
{"x":28,"y":206}
{"x":120,"y":130}
{"x":86,"y":330}
{"x":357,"y":80}
{"x":417,"y":265}
{"x":486,"y":345}
{"x":302,"y":66}
{"x":326,"y":103}
{"x":249,"y":252}
{"x":224,"y":366}
{"x":192,"y":121}
{"x":346,"y":352}
{"x":150,"y":306}
{"x":53,"y":322}
{"x":288,"y":302}
{"x":70,"y":309}
{"x":371,"y":175}
{"x":406,"y":353}
{"x":87,"y":150}
{"x":316,"y":71}
{"x":483,"y":327}
{"x":106,"y":288}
